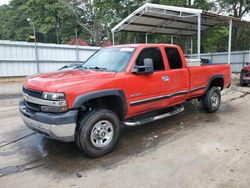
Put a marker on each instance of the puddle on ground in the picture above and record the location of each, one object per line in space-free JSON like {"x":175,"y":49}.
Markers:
{"x":7,"y":153}
{"x":19,"y":168}
{"x":66,"y":158}
{"x":241,"y":96}
{"x":226,"y":107}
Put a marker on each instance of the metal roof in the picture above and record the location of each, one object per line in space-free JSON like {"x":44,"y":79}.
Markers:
{"x":163,"y":19}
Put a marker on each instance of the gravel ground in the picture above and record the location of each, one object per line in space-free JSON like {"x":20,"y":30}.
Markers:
{"x":192,"y":149}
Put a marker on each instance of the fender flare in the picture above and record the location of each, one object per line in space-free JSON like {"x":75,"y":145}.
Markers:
{"x":79,"y":100}
{"x":212,"y":78}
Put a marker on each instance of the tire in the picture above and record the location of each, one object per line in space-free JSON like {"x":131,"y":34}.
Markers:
{"x":98,"y":132}
{"x":211,"y":100}
{"x":242,"y":82}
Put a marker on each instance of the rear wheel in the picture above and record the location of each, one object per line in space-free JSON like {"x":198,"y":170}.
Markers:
{"x":98,"y":132}
{"x":211,"y":100}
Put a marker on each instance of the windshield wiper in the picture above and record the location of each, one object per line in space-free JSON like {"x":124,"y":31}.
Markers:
{"x":97,"y":68}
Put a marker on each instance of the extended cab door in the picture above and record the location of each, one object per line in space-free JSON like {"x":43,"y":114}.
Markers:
{"x":178,"y":74}
{"x":148,"y":92}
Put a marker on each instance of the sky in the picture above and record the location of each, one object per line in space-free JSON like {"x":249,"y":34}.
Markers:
{"x":2,"y":2}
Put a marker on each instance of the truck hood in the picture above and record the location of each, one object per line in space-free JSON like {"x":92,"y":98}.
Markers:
{"x":56,"y":81}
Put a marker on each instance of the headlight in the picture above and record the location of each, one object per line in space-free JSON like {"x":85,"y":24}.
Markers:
{"x":59,"y":100}
{"x":53,"y":96}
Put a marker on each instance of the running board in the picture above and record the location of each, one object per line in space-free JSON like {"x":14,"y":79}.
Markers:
{"x":179,"y":109}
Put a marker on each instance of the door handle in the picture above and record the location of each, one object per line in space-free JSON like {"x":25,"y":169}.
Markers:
{"x":165,"y":78}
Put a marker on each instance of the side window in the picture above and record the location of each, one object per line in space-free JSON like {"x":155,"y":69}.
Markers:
{"x":174,"y":58}
{"x":155,"y":55}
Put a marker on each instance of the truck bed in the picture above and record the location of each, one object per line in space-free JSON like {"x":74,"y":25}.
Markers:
{"x":200,"y":76}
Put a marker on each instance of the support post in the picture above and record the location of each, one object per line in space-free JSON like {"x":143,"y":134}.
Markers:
{"x":244,"y":58}
{"x":191,"y":46}
{"x":199,"y":37}
{"x":113,"y":38}
{"x":57,"y":37}
{"x":248,"y":53}
{"x":229,"y":41}
{"x":36,"y":51}
{"x":146,"y":38}
{"x":172,"y":39}
{"x":77,"y":50}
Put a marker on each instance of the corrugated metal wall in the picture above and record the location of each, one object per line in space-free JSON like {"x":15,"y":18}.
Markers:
{"x":238,"y":59}
{"x":19,"y":58}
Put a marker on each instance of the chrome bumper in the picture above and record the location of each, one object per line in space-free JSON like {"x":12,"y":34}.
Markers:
{"x":57,"y":130}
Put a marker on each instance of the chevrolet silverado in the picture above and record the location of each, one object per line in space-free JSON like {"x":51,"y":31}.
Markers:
{"x":118,"y":85}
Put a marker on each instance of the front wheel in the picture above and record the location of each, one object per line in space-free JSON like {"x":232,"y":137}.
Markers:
{"x":98,"y":132}
{"x":211,"y":100}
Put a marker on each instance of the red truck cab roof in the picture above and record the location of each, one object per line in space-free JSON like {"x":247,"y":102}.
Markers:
{"x":141,"y":45}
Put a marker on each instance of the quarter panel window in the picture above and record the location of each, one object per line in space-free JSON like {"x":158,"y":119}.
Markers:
{"x":174,"y":59}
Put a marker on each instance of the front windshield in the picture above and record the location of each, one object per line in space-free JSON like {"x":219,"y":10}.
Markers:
{"x":110,"y":59}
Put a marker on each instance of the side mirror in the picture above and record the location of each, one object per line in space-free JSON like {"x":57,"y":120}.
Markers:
{"x":64,"y":67}
{"x":147,"y":68}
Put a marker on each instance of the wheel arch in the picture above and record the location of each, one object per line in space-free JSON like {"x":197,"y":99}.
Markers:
{"x":216,"y":80}
{"x":114,"y":98}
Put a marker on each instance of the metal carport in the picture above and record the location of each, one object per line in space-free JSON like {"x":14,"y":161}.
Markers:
{"x":171,"y":20}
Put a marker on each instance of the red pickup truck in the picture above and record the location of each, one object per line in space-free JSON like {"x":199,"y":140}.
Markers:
{"x":119,"y":85}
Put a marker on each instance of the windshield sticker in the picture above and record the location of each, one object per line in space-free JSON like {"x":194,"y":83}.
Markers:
{"x":127,"y":49}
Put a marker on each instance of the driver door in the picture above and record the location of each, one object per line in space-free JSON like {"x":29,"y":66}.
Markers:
{"x":147,"y":92}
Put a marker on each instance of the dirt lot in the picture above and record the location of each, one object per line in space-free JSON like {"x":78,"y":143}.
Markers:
{"x":192,"y":149}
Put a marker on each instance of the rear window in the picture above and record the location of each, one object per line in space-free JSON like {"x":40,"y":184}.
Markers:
{"x":174,"y":59}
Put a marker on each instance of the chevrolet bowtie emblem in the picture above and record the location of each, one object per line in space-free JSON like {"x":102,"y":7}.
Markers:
{"x":26,"y":98}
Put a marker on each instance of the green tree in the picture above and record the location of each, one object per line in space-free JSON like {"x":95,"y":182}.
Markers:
{"x":238,"y":9}
{"x":56,"y":21}
{"x":49,"y":18}
{"x":13,"y":23}
{"x":98,"y":17}
{"x":52,"y":22}
{"x":215,"y":39}
{"x":203,"y":4}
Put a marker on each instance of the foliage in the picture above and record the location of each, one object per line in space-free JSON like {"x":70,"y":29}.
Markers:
{"x":214,"y":39}
{"x":57,"y":21}
{"x":236,"y":8}
{"x":203,"y":4}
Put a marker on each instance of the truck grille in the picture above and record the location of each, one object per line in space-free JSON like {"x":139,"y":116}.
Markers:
{"x":32,"y":93}
{"x":32,"y":106}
